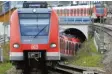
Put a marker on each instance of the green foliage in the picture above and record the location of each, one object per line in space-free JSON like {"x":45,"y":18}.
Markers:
{"x":6,"y":65}
{"x":6,"y":51}
{"x":90,"y":61}
{"x":88,"y":55}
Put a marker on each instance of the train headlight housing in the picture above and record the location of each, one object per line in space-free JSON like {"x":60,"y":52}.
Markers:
{"x":16,"y":45}
{"x":53,"y":45}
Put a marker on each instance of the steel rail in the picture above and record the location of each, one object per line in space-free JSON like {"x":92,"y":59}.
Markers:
{"x":66,"y":69}
{"x":106,"y":28}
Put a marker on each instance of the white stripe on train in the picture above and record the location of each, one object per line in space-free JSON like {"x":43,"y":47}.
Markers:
{"x":19,"y":56}
{"x":21,"y":53}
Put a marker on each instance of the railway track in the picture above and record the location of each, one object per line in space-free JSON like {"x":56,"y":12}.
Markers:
{"x":61,"y":69}
{"x":107,"y":28}
{"x":108,"y":40}
{"x":67,"y":69}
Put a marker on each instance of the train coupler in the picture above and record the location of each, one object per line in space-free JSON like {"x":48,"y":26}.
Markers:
{"x":39,"y":55}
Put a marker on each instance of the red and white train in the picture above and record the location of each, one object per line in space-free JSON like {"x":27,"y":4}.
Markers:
{"x":34,"y":38}
{"x":95,"y":11}
{"x":32,"y":41}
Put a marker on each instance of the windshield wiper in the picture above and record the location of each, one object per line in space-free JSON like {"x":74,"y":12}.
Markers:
{"x":40,"y":31}
{"x":37,"y":27}
{"x":37,"y":24}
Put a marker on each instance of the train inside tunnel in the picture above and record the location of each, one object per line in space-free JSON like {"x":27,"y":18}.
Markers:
{"x":75,"y":33}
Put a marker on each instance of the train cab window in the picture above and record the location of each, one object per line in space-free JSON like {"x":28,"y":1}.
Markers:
{"x":34,"y":24}
{"x":99,"y":6}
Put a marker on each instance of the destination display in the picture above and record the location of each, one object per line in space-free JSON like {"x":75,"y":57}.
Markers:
{"x":34,"y":4}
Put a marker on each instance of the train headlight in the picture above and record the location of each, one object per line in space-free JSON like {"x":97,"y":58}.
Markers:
{"x":34,"y":10}
{"x":16,"y":45}
{"x":53,"y":45}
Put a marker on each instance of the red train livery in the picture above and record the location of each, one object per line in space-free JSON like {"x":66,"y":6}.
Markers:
{"x":95,"y":11}
{"x":34,"y":35}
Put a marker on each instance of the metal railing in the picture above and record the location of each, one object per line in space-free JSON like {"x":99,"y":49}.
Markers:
{"x":99,"y":43}
{"x":1,"y":54}
{"x":3,"y":39}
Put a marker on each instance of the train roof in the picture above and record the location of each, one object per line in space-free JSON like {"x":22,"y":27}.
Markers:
{"x":71,"y":7}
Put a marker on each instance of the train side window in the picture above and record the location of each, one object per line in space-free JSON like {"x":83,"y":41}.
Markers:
{"x":85,"y":11}
{"x":74,"y":11}
{"x":88,"y":11}
{"x":65,"y":11}
{"x":62,"y":12}
{"x":77,"y":11}
{"x":71,"y":11}
{"x":81,"y":11}
{"x":58,"y":11}
{"x":76,"y":47}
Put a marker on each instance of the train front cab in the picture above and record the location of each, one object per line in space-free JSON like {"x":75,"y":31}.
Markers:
{"x":34,"y":36}
{"x":99,"y":11}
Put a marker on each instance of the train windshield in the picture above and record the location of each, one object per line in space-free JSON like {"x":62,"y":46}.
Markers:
{"x":99,"y":6}
{"x":34,"y":24}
